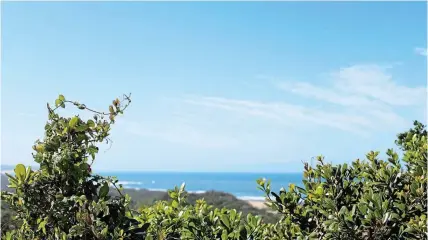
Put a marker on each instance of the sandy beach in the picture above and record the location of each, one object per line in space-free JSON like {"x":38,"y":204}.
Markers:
{"x":260,"y":204}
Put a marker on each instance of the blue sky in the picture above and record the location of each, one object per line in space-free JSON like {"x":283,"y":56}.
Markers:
{"x":218,"y":86}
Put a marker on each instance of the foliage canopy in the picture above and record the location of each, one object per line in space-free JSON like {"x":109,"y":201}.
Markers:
{"x":367,"y":199}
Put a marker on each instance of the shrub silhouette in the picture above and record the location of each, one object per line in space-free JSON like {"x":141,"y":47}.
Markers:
{"x":367,"y":199}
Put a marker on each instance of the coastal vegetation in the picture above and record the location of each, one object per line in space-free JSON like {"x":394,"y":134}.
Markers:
{"x":366,"y":199}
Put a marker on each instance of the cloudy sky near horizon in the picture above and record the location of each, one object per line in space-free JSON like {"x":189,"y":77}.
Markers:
{"x":218,"y":86}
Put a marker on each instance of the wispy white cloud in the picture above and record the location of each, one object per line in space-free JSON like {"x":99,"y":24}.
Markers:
{"x":368,"y":90}
{"x":375,"y":82}
{"x":360,"y":86}
{"x":281,"y":112}
{"x":360,"y":99}
{"x":421,"y":51}
{"x":183,"y":134}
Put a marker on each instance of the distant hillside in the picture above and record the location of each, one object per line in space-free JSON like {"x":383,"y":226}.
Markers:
{"x":4,"y":182}
{"x":214,"y":198}
{"x":217,"y":199}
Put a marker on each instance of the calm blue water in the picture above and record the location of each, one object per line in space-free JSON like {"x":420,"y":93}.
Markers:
{"x":242,"y":185}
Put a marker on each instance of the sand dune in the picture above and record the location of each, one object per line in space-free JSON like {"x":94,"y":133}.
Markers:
{"x":257,"y":204}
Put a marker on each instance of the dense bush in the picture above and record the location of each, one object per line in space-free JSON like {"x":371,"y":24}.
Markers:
{"x":373,"y":199}
{"x":370,"y":199}
{"x":147,"y":198}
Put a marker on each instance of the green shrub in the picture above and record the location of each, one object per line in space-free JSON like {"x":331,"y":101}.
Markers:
{"x":373,"y":199}
{"x":370,"y":199}
{"x":64,"y":200}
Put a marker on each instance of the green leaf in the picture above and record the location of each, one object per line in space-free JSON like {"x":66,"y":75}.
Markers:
{"x":343,"y":210}
{"x":57,"y":102}
{"x":319,"y":190}
{"x":84,"y":167}
{"x":73,"y":122}
{"x":414,"y":187}
{"x":20,"y":171}
{"x":81,"y":128}
{"x":409,"y":230}
{"x":313,"y":235}
{"x":261,"y":181}
{"x":225,"y":220}
{"x":90,"y":123}
{"x":10,"y":177}
{"x":224,"y":235}
{"x":61,"y":97}
{"x":232,"y":213}
{"x":103,"y":190}
{"x":92,"y":150}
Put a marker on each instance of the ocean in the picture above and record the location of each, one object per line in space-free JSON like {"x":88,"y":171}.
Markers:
{"x":242,"y":185}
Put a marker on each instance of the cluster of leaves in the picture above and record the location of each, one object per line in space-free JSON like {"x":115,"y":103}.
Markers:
{"x":371,"y":199}
{"x":176,"y":219}
{"x":64,"y":200}
{"x":217,"y":199}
